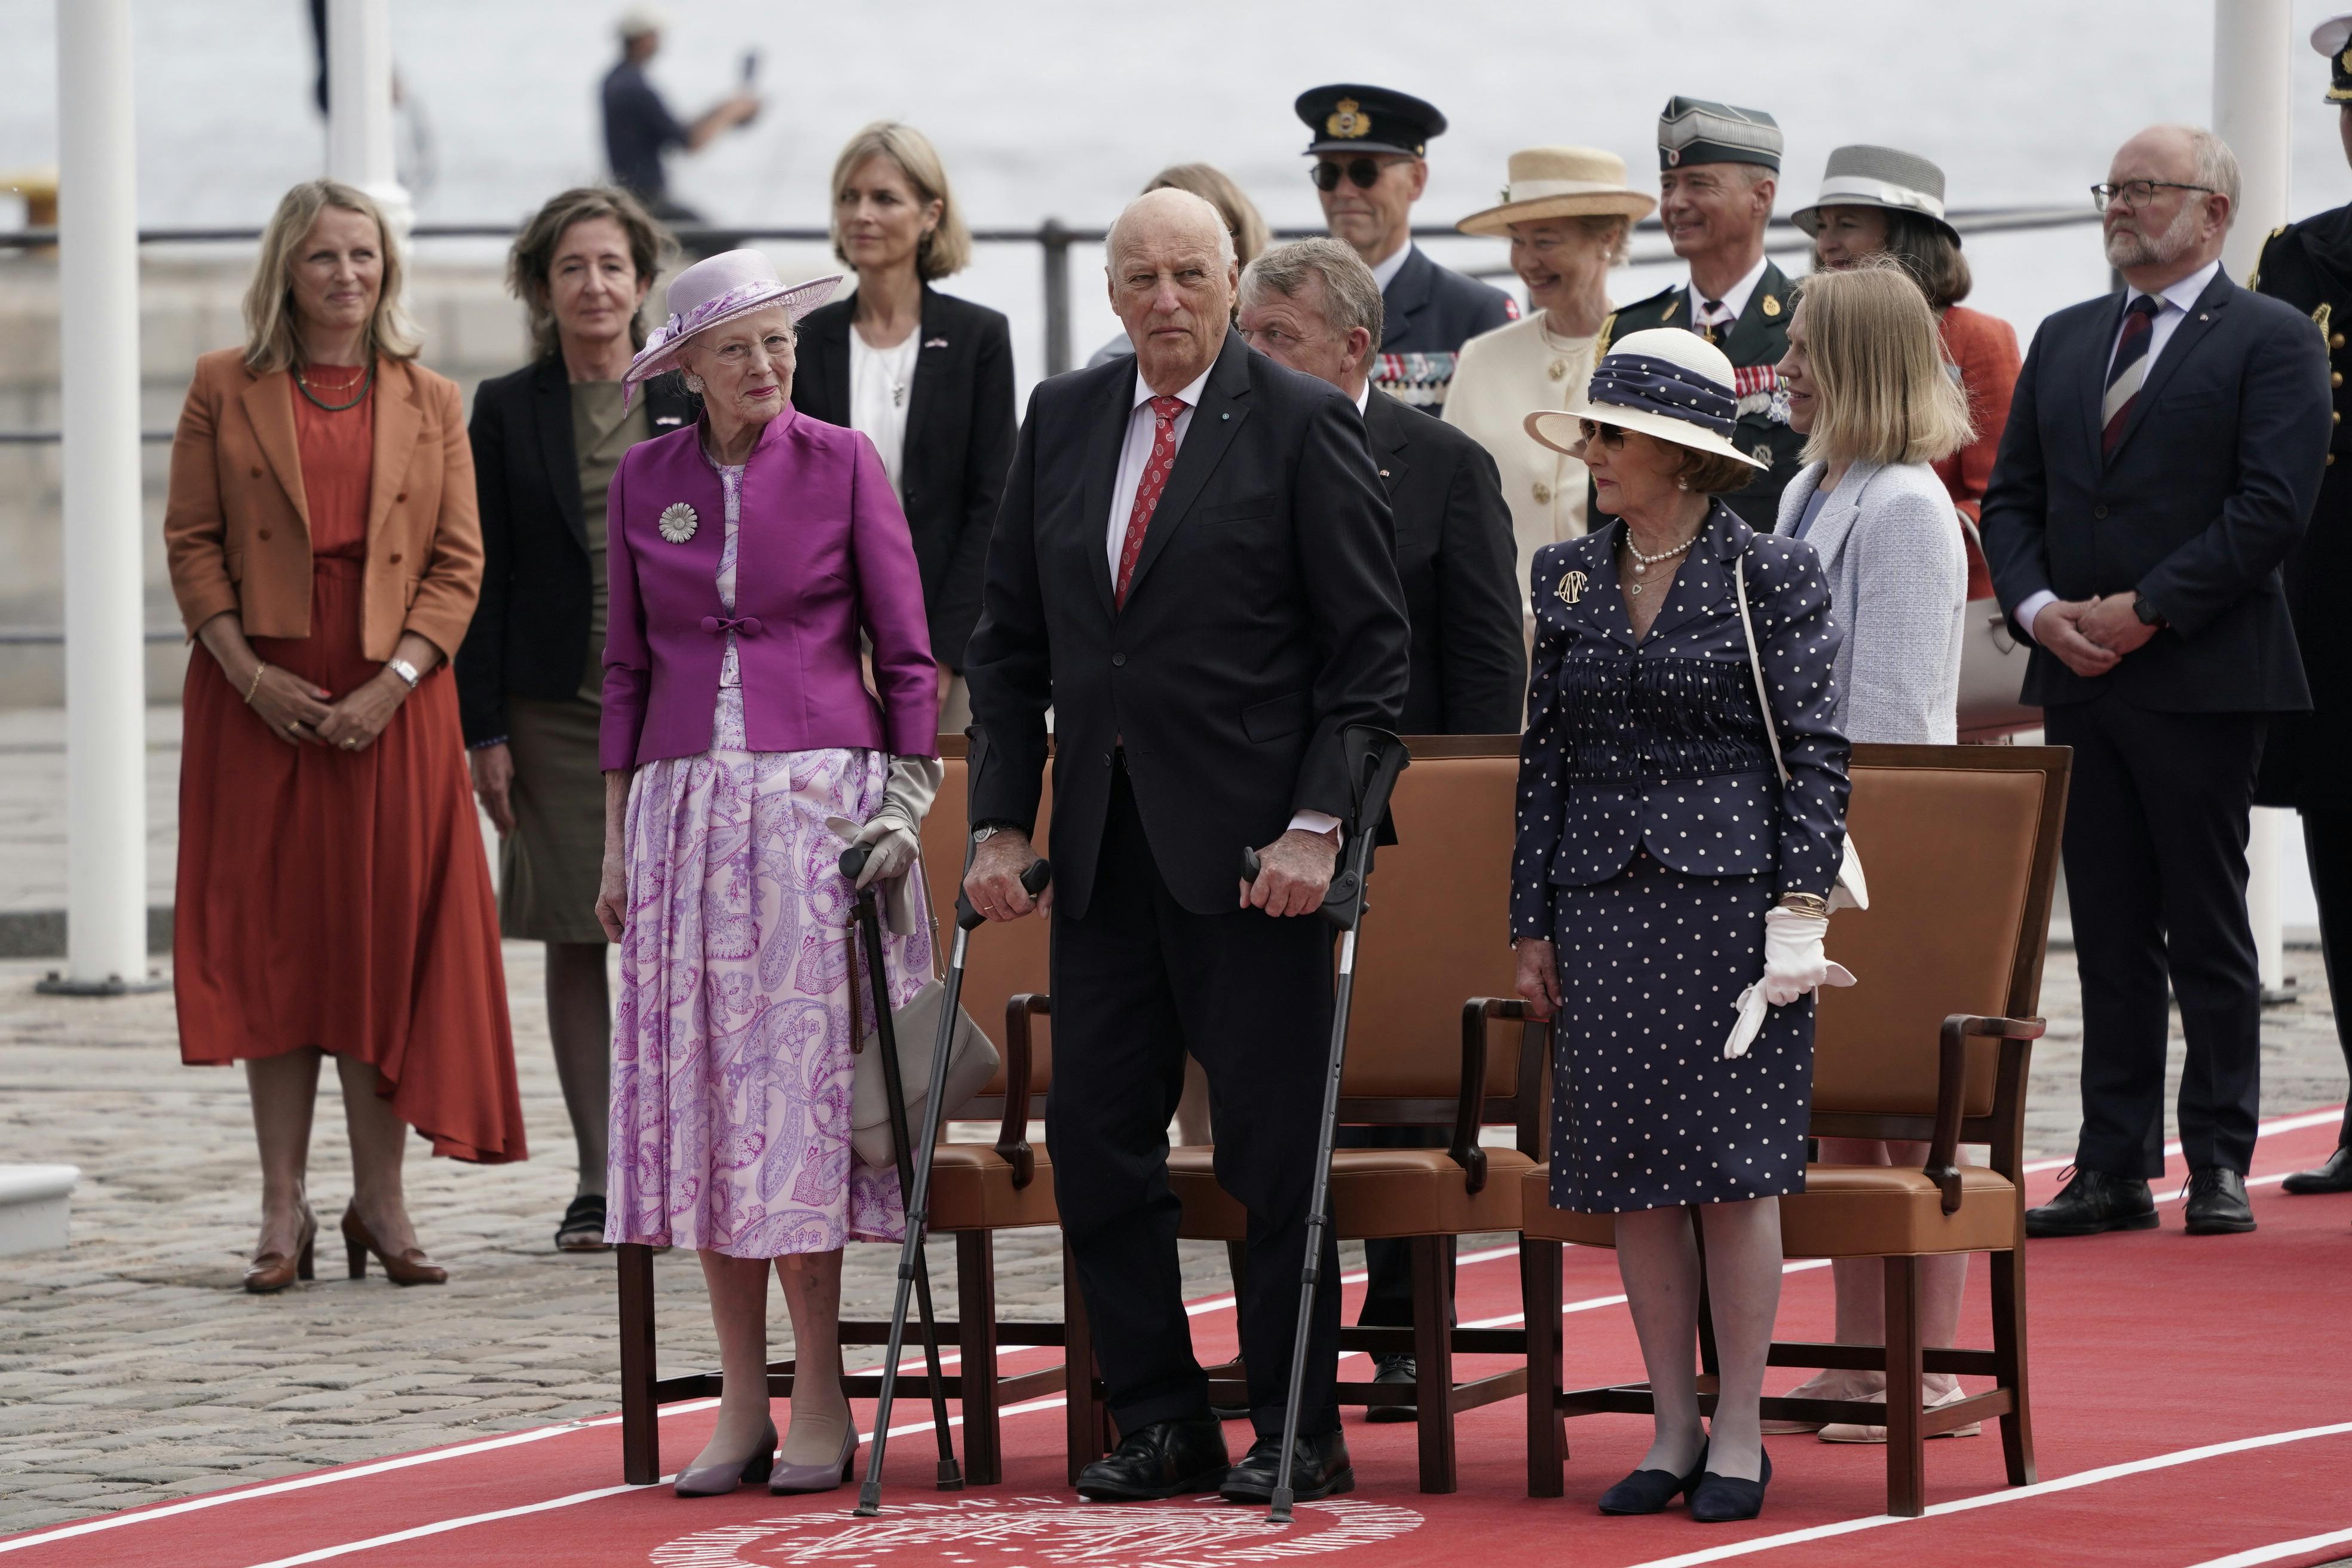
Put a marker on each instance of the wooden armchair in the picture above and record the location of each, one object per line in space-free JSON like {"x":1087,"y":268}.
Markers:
{"x":977,"y":1190}
{"x":1962,"y":848}
{"x":1437,"y":931}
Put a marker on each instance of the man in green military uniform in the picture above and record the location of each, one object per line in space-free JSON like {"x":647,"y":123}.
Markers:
{"x":2307,"y":759}
{"x":1718,"y":170}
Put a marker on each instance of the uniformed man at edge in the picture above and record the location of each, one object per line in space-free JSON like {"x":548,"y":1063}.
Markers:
{"x":2307,"y":757}
{"x":1718,"y":170}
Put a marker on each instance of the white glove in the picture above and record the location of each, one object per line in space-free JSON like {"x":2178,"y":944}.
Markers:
{"x":1794,"y":964}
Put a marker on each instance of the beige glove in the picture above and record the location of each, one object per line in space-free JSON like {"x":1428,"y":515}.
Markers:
{"x":893,"y":839}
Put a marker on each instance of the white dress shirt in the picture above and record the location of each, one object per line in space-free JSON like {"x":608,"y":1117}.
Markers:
{"x":2173,"y":305}
{"x":1134,"y":456}
{"x":1734,"y":299}
{"x":880,"y":383}
{"x":1384,"y":271}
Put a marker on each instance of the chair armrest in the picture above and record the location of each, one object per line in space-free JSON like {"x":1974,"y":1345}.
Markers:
{"x":1470,"y":1106}
{"x":1012,"y":1131}
{"x":1951,"y":1090}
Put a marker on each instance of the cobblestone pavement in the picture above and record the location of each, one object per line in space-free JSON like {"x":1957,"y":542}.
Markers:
{"x":133,"y":1369}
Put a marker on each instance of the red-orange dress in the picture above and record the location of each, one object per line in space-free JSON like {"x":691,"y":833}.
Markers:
{"x":341,"y":899}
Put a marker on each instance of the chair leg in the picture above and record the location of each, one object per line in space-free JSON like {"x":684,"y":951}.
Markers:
{"x":2007,"y":1272}
{"x":1433,"y":1349}
{"x":640,"y":1413}
{"x":983,"y":1454}
{"x":1907,"y":1471}
{"x":1540,"y":1309}
{"x":1085,"y":1415}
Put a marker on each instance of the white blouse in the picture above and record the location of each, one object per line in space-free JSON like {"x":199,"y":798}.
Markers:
{"x":881,"y":381}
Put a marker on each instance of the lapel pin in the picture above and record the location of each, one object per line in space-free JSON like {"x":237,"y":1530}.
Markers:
{"x":1227,"y":414}
{"x":1571,"y":587}
{"x":677,"y":522}
{"x":935,"y":342}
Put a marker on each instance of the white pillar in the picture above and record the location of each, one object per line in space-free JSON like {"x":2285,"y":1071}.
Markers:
{"x":359,"y":146}
{"x":2253,"y":57}
{"x":106,"y":698}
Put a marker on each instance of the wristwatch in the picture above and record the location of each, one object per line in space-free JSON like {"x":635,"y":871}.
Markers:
{"x":989,"y":830}
{"x":406,"y":671}
{"x":2146,"y":612}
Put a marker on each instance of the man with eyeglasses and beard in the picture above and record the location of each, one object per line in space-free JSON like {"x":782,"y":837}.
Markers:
{"x":2163,"y":452}
{"x":1370,"y":147}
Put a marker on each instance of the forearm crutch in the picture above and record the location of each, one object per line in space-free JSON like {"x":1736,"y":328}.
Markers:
{"x":1375,"y":758}
{"x":915,"y":1174}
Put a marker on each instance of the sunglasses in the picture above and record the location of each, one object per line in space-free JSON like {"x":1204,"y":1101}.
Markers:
{"x":1361,"y":172}
{"x":1608,"y":436}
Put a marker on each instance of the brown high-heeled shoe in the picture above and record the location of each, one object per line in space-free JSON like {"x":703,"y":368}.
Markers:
{"x":408,"y":1269}
{"x":273,"y":1271}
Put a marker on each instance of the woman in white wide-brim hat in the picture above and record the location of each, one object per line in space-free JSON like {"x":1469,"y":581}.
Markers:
{"x":1669,"y":895}
{"x":1569,"y":215}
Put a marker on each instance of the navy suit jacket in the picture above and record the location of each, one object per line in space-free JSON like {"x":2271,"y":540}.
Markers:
{"x":1660,"y":745}
{"x":1431,"y":309}
{"x":2204,"y":497}
{"x":1263,"y":618}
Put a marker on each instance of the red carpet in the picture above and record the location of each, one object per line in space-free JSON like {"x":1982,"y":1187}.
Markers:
{"x":2192,"y":1406}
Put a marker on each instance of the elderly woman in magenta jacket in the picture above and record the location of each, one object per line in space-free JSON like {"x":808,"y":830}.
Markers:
{"x":746,"y":553}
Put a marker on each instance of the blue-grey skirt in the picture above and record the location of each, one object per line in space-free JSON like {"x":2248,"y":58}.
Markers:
{"x":1645,"y":1110}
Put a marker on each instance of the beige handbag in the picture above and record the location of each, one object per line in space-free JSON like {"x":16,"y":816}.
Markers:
{"x":1851,"y":891}
{"x":1992,"y":668}
{"x":971,"y":1057}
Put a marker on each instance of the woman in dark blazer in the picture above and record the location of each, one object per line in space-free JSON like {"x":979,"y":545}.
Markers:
{"x":1669,"y":896}
{"x":927,"y":377}
{"x":546,"y":439}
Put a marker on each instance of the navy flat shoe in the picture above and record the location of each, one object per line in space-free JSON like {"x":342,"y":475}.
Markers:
{"x":1649,"y":1492}
{"x":1723,"y":1499}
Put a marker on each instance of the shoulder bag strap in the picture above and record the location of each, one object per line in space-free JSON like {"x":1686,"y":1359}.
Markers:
{"x":1756,"y":665}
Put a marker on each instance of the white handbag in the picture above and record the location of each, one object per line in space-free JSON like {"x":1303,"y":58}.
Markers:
{"x":1992,"y":668}
{"x":971,"y":1055}
{"x":1851,"y":891}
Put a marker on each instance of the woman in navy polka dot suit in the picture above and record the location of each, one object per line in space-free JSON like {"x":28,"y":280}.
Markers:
{"x":1663,"y":871}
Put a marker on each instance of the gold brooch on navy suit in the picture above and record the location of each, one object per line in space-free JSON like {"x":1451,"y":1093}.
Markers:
{"x":1571,"y":587}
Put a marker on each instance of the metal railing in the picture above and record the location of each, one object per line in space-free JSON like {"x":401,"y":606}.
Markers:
{"x":1053,"y":240}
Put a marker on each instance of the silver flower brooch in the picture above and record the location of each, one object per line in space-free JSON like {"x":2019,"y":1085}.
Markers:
{"x":677,"y":522}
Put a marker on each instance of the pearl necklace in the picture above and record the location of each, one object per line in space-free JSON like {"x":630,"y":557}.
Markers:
{"x":1641,"y":563}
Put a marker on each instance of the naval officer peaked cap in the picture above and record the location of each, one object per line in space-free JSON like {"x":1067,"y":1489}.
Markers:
{"x":1350,"y":118}
{"x":1694,"y":131}
{"x":2333,"y":39}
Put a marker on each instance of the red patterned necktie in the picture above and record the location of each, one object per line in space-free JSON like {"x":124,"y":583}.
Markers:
{"x":1164,"y":411}
{"x":2128,"y":372}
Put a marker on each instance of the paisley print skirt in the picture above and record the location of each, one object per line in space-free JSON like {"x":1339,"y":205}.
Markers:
{"x":731,"y":1067}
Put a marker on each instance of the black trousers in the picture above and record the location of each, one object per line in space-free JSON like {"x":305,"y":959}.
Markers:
{"x":2327,"y":846}
{"x":1137,"y":982}
{"x":2157,"y":819}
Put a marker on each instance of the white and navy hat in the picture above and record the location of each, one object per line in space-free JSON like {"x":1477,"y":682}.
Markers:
{"x":1694,"y":131}
{"x":2333,"y":39}
{"x":1664,"y":382}
{"x":1866,"y":176}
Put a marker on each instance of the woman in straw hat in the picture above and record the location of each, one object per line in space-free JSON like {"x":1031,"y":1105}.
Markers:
{"x":1876,"y":201}
{"x":1669,"y":897}
{"x":1569,"y":216}
{"x":737,"y":722}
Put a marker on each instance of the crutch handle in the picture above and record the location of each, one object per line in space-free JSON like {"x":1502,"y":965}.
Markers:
{"x":1339,"y":899}
{"x":1033,"y":882}
{"x":853,"y":860}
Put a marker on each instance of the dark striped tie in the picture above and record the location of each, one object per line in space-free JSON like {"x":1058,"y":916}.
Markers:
{"x":2130,"y":370}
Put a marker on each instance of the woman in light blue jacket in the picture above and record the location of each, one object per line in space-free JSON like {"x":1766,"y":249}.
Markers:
{"x":1868,"y":387}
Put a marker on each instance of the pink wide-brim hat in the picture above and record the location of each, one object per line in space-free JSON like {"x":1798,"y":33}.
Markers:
{"x":716,"y":290}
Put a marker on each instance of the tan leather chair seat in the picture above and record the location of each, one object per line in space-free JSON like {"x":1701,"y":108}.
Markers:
{"x":971,"y":1189}
{"x":1845,"y":1211}
{"x":1374,"y":1192}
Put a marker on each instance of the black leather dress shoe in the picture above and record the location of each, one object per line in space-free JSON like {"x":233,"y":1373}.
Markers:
{"x":1165,"y":1460}
{"x":1401,"y":1369}
{"x":2334,"y":1176}
{"x":1649,"y":1492}
{"x":2217,"y":1203}
{"x":1318,"y":1468}
{"x":2094,"y":1202}
{"x":1722,"y":1499}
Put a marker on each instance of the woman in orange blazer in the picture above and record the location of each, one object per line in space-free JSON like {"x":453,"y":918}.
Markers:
{"x":333,"y":898}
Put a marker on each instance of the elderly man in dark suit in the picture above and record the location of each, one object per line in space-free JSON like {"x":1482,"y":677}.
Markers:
{"x":1191,"y":569}
{"x":1314,"y":306}
{"x":2163,"y":452}
{"x":1370,"y":148}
